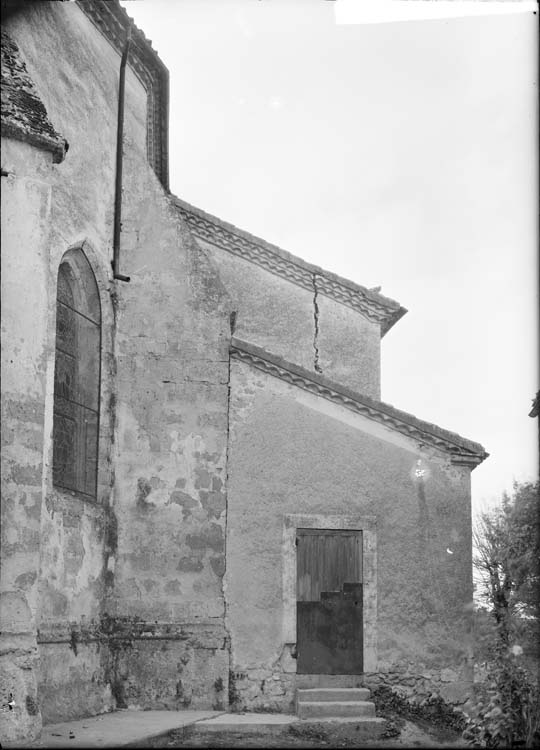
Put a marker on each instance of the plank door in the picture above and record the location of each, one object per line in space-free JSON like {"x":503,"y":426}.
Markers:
{"x":329,"y":601}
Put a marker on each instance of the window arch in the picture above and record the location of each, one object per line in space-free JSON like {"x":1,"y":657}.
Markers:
{"x":76,"y":376}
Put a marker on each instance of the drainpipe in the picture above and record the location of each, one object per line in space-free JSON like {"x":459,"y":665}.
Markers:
{"x":119,"y":163}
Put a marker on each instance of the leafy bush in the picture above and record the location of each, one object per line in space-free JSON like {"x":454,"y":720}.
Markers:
{"x":507,"y":559}
{"x":432,"y":710}
{"x":506,"y":712}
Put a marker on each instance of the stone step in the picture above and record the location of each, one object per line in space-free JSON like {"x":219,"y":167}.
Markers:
{"x":329,"y":680}
{"x":324,"y":709}
{"x":332,"y":694}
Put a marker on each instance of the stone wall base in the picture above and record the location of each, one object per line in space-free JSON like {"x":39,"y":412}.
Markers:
{"x":124,"y":662}
{"x":275,"y":690}
{"x":417,"y":687}
{"x":20,"y":718}
{"x":262,"y":690}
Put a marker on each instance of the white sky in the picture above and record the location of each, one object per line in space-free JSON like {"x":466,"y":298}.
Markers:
{"x":401,"y":154}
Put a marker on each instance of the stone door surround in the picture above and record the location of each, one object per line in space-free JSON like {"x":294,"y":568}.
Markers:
{"x":367,"y":525}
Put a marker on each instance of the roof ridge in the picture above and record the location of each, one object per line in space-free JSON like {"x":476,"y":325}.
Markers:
{"x":206,"y":226}
{"x":463,"y":451}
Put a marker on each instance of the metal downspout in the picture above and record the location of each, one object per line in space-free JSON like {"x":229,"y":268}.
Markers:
{"x":119,"y":163}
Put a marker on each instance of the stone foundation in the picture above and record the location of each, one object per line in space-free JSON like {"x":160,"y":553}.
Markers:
{"x":262,"y":690}
{"x":416,"y":687}
{"x":275,"y":690}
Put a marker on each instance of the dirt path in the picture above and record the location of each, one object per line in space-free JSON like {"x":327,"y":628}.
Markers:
{"x":341,"y":736}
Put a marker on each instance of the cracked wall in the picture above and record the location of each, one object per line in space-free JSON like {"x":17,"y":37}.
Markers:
{"x":316,"y":314}
{"x":300,"y":325}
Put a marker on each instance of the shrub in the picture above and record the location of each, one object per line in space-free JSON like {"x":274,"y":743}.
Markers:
{"x":506,"y":712}
{"x":433,"y":710}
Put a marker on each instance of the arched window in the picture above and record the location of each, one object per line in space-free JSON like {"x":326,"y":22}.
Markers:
{"x":76,"y":376}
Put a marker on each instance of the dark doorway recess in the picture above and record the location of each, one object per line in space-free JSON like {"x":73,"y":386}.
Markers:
{"x":329,"y":613}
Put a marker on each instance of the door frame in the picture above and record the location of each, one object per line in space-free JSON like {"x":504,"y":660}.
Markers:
{"x":367,"y":525}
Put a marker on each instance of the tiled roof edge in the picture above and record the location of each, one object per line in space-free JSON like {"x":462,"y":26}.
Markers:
{"x":373,"y":305}
{"x":462,"y":451}
{"x":57,"y":146}
{"x":23,"y":114}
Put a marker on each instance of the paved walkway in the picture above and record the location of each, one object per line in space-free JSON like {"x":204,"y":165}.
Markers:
{"x":127,"y":727}
{"x":119,"y":728}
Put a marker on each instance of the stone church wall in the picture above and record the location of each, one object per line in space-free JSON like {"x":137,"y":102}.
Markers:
{"x":302,"y":326}
{"x":103,"y":587}
{"x":26,"y":195}
{"x":292,"y":452}
{"x":141,"y":597}
{"x":172,"y":342}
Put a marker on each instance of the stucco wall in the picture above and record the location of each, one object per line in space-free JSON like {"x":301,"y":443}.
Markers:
{"x":293,"y":452}
{"x":152,"y":546}
{"x":26,"y":197}
{"x":75,"y":533}
{"x":81,"y":101}
{"x":349,"y":347}
{"x":301,"y":325}
{"x":125,"y":595}
{"x":172,"y":344}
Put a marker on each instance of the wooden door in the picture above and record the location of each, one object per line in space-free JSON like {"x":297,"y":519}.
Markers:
{"x":329,"y":601}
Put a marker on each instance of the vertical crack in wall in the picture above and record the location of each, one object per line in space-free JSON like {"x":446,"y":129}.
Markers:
{"x":316,"y":364}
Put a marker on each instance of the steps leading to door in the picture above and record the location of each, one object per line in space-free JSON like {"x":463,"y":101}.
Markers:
{"x":326,"y":703}
{"x":331,"y":694}
{"x":329,"y":680}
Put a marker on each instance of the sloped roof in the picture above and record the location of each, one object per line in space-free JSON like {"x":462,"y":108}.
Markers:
{"x":111,"y":20}
{"x":461,"y":450}
{"x":23,"y":114}
{"x":372,"y":304}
